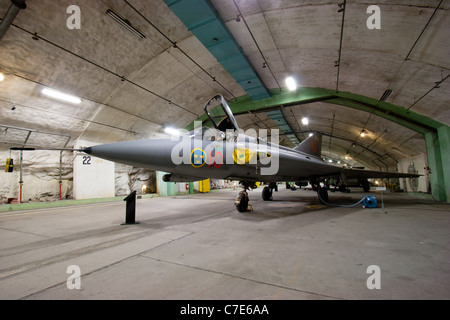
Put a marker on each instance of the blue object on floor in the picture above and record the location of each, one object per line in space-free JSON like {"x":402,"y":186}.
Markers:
{"x":370,"y":202}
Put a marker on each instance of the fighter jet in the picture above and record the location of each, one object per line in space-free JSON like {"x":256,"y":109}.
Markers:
{"x":224,"y":151}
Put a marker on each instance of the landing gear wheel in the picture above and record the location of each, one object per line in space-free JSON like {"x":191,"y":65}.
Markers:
{"x":267,"y":194}
{"x":366,"y":186}
{"x":242,"y":201}
{"x":323,"y":195}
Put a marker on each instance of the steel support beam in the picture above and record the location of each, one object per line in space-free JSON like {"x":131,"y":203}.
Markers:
{"x":438,"y":152}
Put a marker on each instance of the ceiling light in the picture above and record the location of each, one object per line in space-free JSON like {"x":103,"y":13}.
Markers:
{"x":2,"y":77}
{"x":386,"y":95}
{"x":329,"y":160}
{"x":124,"y":23}
{"x":311,"y":134}
{"x":291,"y":83}
{"x":363,"y":133}
{"x":172,"y":131}
{"x":61,"y":96}
{"x":305,"y":121}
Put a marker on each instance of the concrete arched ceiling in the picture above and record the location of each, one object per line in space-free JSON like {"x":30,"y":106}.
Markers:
{"x":131,"y":89}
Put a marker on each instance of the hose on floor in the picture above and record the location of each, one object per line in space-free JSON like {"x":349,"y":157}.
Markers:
{"x":340,"y":205}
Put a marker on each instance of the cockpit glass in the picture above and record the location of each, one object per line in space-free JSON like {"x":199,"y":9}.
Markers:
{"x":208,"y":134}
{"x":220,"y":115}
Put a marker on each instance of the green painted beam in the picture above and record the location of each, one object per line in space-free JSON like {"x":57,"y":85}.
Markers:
{"x":444,"y":145}
{"x":436,"y":169}
{"x":305,"y":95}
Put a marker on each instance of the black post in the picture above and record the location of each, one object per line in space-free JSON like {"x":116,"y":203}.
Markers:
{"x":130,"y":217}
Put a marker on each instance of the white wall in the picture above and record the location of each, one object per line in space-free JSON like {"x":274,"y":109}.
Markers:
{"x":92,"y":177}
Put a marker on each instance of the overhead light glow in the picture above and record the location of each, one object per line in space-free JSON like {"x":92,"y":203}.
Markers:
{"x":172,"y":131}
{"x":329,"y":160}
{"x":61,"y":96}
{"x":305,"y":121}
{"x":311,"y":134}
{"x":291,"y":83}
{"x":2,"y":77}
{"x":363,"y":133}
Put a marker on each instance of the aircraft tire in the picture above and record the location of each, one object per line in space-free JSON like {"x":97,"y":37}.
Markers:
{"x":323,"y":195}
{"x":242,"y":202}
{"x":366,"y":186}
{"x":267,"y":194}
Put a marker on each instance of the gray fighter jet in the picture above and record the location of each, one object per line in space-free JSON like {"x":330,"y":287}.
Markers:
{"x":223,"y":151}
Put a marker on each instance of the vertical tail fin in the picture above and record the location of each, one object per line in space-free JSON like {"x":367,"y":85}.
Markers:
{"x":312,"y":145}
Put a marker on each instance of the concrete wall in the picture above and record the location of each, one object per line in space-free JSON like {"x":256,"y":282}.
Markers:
{"x":93,"y":177}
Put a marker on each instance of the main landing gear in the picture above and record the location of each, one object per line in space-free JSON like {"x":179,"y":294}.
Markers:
{"x":322,"y":193}
{"x":242,"y":199}
{"x":267,"y":191}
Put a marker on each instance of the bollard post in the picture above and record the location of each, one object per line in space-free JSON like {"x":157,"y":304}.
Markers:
{"x":130,"y":216}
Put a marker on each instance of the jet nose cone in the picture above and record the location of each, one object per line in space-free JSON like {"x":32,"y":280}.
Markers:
{"x":152,"y":154}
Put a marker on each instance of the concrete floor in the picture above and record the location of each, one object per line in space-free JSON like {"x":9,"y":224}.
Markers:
{"x":199,"y":247}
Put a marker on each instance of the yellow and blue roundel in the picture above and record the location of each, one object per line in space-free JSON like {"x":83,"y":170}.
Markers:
{"x":198,"y":158}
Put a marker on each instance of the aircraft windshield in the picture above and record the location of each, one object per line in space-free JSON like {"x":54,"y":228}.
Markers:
{"x":208,"y":134}
{"x":220,"y":114}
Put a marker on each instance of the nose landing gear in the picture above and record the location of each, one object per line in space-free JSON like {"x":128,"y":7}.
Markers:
{"x":242,"y":199}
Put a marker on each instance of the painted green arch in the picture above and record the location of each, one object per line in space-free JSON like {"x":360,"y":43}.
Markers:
{"x":305,"y":95}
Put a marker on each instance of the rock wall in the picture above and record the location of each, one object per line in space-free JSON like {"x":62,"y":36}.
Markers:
{"x":129,"y":178}
{"x":419,"y":163}
{"x":41,"y":174}
{"x":223,"y":184}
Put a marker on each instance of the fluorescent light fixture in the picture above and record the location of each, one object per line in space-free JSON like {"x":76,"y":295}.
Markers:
{"x":386,"y":95}
{"x":172,"y":131}
{"x":124,"y":23}
{"x":291,"y":83}
{"x":61,"y":96}
{"x":2,"y":77}
{"x":305,"y":121}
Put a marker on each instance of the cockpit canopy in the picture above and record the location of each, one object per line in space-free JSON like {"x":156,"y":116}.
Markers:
{"x":208,"y":134}
{"x":220,"y":115}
